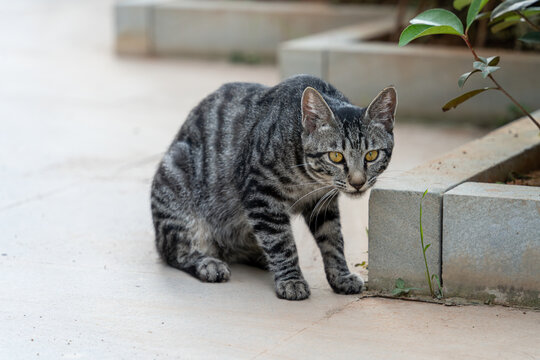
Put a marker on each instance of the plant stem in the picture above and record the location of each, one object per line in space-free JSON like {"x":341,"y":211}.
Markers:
{"x":514,"y":101}
{"x":531,"y":24}
{"x":428,"y":277}
{"x":466,"y":39}
{"x":499,"y":87}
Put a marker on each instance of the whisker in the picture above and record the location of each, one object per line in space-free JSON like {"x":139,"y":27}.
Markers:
{"x":382,"y":177}
{"x":321,"y":202}
{"x":330,"y":201}
{"x":327,"y":202}
{"x":309,"y":183}
{"x":394,"y":171}
{"x":317,"y":204}
{"x":311,"y":192}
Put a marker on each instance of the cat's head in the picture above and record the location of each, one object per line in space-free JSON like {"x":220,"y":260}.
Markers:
{"x":344,"y":145}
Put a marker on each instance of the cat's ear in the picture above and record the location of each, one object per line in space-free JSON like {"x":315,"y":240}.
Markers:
{"x":382,"y":109}
{"x":315,"y":111}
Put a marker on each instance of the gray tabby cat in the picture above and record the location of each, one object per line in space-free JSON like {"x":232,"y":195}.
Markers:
{"x":249,"y":157}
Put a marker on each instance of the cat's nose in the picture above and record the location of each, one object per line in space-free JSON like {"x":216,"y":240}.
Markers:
{"x":357,"y":185}
{"x":357,"y":181}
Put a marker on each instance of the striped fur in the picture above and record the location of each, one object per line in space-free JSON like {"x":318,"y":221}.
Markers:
{"x":247,"y":159}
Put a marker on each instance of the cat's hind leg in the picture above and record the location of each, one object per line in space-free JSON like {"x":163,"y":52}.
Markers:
{"x":183,"y":239}
{"x":205,"y":268}
{"x":186,"y":243}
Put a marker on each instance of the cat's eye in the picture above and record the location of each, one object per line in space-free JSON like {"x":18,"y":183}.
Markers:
{"x":335,"y":156}
{"x":372,"y":155}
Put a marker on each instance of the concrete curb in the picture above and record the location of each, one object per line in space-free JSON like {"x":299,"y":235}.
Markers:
{"x":361,"y":68}
{"x":394,"y":246}
{"x":218,"y":29}
{"x":491,"y":243}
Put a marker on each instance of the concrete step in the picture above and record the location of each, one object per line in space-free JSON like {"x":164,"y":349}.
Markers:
{"x":241,"y":30}
{"x":463,"y":221}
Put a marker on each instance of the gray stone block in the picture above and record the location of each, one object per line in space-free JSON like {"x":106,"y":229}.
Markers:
{"x":395,"y":249}
{"x":394,"y":238}
{"x":133,"y":21}
{"x":491,"y":238}
{"x":224,"y":28}
{"x":361,"y":68}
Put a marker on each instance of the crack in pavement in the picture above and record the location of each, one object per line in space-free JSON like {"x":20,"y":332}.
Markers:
{"x":327,"y":316}
{"x":37,"y":197}
{"x":42,"y":195}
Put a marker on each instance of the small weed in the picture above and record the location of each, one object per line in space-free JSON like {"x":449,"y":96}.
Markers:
{"x":400,"y":288}
{"x":513,"y":176}
{"x":362,"y":264}
{"x":439,"y":294}
{"x":429,"y":277}
{"x":238,"y":57}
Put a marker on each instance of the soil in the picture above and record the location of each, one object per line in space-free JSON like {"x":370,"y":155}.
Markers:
{"x":501,"y":42}
{"x":530,"y":179}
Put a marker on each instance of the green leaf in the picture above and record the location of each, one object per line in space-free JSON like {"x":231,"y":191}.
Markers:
{"x":461,"y":4}
{"x":484,"y":67}
{"x":431,"y":22}
{"x":412,"y":32}
{"x":504,"y":24}
{"x":439,"y":17}
{"x":400,"y":283}
{"x":397,"y":292}
{"x":436,"y":278}
{"x":511,"y":19}
{"x":462,"y":98}
{"x":532,"y":37}
{"x":510,"y":5}
{"x":483,"y":15}
{"x":407,"y":290}
{"x":489,"y":70}
{"x":463,"y":78}
{"x":493,"y":60}
{"x":427,"y":246}
{"x":402,"y":291}
{"x":531,"y":11}
{"x":474,"y":9}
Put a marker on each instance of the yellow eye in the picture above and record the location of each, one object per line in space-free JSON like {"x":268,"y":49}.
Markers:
{"x":335,"y":156}
{"x":372,"y":155}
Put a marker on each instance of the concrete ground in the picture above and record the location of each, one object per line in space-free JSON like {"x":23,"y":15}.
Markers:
{"x":81,"y":133}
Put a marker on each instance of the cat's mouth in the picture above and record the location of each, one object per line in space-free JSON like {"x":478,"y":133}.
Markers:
{"x":355,"y":193}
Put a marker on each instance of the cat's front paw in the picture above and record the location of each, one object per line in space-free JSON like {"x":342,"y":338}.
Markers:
{"x":213,"y":270}
{"x":295,"y":289}
{"x":347,"y":284}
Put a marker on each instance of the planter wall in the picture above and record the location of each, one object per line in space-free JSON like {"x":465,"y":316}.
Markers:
{"x":491,"y":243}
{"x":485,"y":238}
{"x":225,"y":28}
{"x":425,"y":76}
